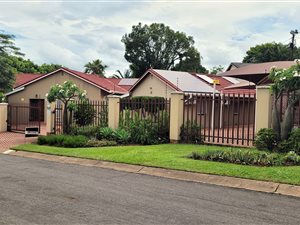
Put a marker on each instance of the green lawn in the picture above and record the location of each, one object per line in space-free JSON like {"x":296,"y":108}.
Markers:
{"x":173,"y":156}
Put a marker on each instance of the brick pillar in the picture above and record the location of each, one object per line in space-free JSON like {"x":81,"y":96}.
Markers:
{"x":176,"y":115}
{"x":263,"y":109}
{"x":113,"y":111}
{"x":50,"y":118}
{"x":3,"y":117}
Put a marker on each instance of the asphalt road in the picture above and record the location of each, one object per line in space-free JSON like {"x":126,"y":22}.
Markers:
{"x":42,"y":192}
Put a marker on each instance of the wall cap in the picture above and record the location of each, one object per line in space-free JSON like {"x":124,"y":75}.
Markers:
{"x":113,"y":96}
{"x":263,"y":87}
{"x":177,"y":93}
{"x":3,"y":103}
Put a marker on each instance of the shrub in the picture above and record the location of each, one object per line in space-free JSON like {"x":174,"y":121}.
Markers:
{"x":105,"y":133}
{"x":190,"y":132}
{"x":74,"y":141}
{"x":122,"y":136}
{"x":88,"y":131}
{"x":2,"y":97}
{"x":248,"y":157}
{"x":63,"y":141}
{"x":102,"y":143}
{"x":266,"y":139}
{"x":84,"y":113}
{"x":292,"y":143}
{"x":143,"y":132}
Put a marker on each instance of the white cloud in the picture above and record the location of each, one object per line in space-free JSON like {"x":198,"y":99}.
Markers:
{"x":74,"y":33}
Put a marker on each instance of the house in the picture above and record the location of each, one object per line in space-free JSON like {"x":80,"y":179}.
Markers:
{"x":163,"y":82}
{"x":256,"y":72}
{"x":235,"y":65}
{"x":31,"y":89}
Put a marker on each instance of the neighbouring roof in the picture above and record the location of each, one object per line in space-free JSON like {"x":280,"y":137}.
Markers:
{"x":242,"y":84}
{"x":257,"y":71}
{"x":208,"y":78}
{"x":110,"y":85}
{"x":235,"y":65}
{"x":177,"y":80}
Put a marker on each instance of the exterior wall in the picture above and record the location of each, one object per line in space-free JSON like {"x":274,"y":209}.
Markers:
{"x":263,"y":108}
{"x":3,"y":117}
{"x":39,"y":89}
{"x":152,"y":86}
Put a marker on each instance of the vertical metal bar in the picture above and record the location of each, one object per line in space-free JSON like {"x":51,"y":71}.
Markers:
{"x":233,"y":125}
{"x":228,"y":117}
{"x":238,"y":120}
{"x":248,"y":126}
{"x":244,"y":114}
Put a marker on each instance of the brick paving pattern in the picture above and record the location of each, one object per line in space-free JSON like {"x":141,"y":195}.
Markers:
{"x":10,"y":139}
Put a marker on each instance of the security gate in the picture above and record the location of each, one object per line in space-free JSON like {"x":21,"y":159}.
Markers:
{"x":21,"y":116}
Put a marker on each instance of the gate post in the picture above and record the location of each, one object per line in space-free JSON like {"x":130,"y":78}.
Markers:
{"x":49,"y":118}
{"x":263,"y":108}
{"x":113,"y":111}
{"x":3,"y":117}
{"x":176,"y":115}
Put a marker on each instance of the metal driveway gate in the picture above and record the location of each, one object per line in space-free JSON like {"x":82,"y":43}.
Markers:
{"x":21,"y":116}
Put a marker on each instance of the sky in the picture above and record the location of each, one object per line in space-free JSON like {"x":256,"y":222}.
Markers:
{"x":72,"y":33}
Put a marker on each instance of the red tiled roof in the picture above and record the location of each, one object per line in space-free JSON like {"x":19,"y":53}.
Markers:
{"x":23,"y":78}
{"x":239,"y":91}
{"x":106,"y":83}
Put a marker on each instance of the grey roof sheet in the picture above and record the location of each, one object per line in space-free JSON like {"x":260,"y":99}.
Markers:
{"x":185,"y":81}
{"x":128,"y":81}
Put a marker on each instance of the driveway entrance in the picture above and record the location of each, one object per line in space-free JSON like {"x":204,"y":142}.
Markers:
{"x":10,"y":139}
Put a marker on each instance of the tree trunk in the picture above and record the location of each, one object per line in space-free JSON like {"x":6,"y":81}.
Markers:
{"x":65,"y":122}
{"x":287,"y":122}
{"x":275,"y":118}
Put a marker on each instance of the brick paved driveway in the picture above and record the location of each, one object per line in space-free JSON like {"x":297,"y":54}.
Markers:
{"x":10,"y":139}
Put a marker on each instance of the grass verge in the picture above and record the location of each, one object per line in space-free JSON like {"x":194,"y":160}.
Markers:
{"x":173,"y":156}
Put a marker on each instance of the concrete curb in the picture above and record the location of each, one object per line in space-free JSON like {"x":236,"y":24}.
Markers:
{"x":253,"y":185}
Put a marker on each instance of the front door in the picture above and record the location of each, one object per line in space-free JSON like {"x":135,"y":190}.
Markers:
{"x":36,"y":109}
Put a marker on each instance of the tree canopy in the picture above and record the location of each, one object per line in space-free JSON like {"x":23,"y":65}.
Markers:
{"x":7,"y":49}
{"x":95,"y":67}
{"x":217,"y":69}
{"x":270,"y":52}
{"x":158,"y":46}
{"x":22,"y":65}
{"x":126,"y":74}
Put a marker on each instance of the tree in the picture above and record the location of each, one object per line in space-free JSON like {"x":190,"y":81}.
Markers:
{"x":127,"y":74}
{"x":158,"y":46}
{"x":48,"y":68}
{"x":285,"y":81}
{"x":66,"y":93}
{"x":217,"y":69}
{"x":7,"y":49}
{"x":95,"y":67}
{"x":270,"y":52}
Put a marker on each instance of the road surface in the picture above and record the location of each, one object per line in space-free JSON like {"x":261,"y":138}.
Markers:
{"x":43,"y":192}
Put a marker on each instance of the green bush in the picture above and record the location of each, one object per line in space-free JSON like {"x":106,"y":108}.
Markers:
{"x":63,"y":141}
{"x":74,"y":141}
{"x":101,"y":143}
{"x":2,"y":97}
{"x":143,"y":132}
{"x":292,"y":143}
{"x":190,"y":132}
{"x":88,"y":131}
{"x":151,"y":104}
{"x":248,"y":157}
{"x":266,"y":139}
{"x":84,"y":113}
{"x":122,"y":136}
{"x":105,"y":133}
